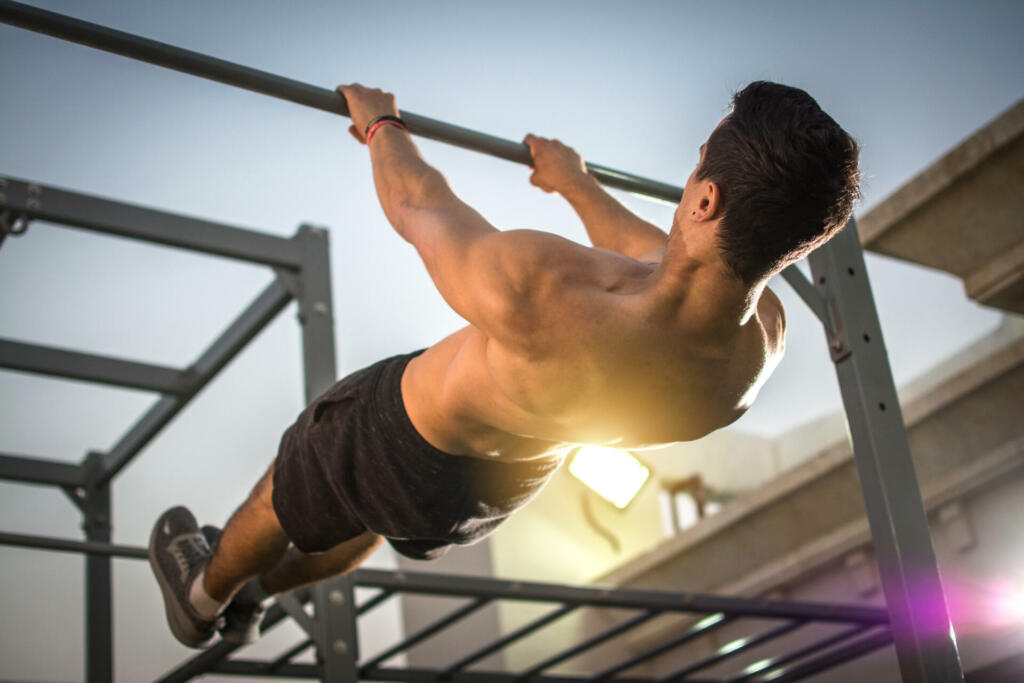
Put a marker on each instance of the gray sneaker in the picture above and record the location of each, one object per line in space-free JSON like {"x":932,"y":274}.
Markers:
{"x":177,"y":552}
{"x":243,"y":615}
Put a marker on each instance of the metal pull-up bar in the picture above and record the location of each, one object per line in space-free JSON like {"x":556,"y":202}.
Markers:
{"x":198,"y":64}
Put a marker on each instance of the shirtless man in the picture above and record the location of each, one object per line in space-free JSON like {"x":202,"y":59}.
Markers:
{"x":642,"y":340}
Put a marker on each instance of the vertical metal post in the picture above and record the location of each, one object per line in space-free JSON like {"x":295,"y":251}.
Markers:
{"x":925,"y":645}
{"x":99,"y":626}
{"x":333,"y":600}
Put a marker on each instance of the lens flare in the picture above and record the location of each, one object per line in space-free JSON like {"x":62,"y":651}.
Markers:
{"x":979,"y":604}
{"x":615,"y":474}
{"x":1005,"y":603}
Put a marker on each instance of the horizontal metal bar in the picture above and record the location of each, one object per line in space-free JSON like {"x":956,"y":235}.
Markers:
{"x":40,"y":471}
{"x":836,"y":657}
{"x":734,"y":648}
{"x":65,"y":207}
{"x":68,"y":545}
{"x":427,"y":632}
{"x":48,"y":360}
{"x":288,"y":654}
{"x":560,"y":657}
{"x":793,"y":656}
{"x":699,"y":629}
{"x":507,"y":640}
{"x":807,"y":291}
{"x":245,"y":667}
{"x":413,"y":675}
{"x":258,"y":315}
{"x":205,"y":66}
{"x":471,"y":586}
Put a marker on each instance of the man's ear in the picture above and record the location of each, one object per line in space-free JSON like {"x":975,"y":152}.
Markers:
{"x":709,"y":202}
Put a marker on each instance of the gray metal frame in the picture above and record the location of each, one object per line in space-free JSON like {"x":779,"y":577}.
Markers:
{"x":840,"y":297}
{"x":303,"y":274}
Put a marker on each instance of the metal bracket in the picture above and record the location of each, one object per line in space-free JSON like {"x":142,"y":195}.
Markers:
{"x":76,"y":494}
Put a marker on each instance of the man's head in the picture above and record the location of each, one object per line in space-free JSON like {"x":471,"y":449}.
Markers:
{"x":784,"y":177}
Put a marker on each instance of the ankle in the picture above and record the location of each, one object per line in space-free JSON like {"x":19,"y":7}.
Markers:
{"x":206,"y":605}
{"x":219,"y":590}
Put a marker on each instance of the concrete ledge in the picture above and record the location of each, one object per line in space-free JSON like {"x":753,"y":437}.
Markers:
{"x":963,"y":214}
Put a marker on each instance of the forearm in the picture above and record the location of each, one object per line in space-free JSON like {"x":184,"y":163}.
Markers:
{"x":609,"y":224}
{"x":402,"y":178}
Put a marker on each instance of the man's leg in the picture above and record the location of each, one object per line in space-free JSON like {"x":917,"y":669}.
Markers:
{"x":253,"y":544}
{"x":297,"y":568}
{"x":197,"y":584}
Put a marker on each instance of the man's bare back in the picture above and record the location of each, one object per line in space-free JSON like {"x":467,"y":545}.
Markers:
{"x":611,"y":358}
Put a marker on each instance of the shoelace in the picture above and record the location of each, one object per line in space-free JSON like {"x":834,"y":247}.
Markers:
{"x":188,"y":551}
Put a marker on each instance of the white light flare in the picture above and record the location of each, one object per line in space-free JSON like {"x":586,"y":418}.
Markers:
{"x":616,"y":475}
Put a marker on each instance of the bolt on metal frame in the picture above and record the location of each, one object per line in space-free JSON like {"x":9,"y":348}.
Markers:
{"x":840,"y":297}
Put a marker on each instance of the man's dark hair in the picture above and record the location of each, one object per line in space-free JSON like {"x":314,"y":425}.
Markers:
{"x":787,"y":174}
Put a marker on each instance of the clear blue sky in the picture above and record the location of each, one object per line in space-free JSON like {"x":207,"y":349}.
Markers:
{"x":636,"y":86}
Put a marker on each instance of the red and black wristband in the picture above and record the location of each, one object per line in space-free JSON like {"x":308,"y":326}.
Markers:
{"x":386,"y":120}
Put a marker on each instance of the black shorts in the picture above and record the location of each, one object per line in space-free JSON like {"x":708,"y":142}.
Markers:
{"x":353,"y":462}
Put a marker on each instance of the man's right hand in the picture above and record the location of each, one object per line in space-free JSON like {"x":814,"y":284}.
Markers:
{"x":556,"y":167}
{"x":364,"y":105}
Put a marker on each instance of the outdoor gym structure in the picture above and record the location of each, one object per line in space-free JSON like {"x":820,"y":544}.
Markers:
{"x":916,"y":620}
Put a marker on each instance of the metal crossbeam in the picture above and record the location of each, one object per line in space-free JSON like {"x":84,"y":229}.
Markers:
{"x":699,"y":629}
{"x":40,"y":471}
{"x":204,"y":66}
{"x":732,"y":649}
{"x":505,"y":641}
{"x":806,"y":291}
{"x":88,"y":367}
{"x":257,"y":316}
{"x":70,"y":546}
{"x":426,"y":632}
{"x":594,"y":641}
{"x":776,"y":662}
{"x":87,"y":212}
{"x":839,"y":656}
{"x":213,"y":660}
{"x":471,"y":587}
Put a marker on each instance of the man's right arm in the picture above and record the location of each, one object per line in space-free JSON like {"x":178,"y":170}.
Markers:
{"x":610,"y":225}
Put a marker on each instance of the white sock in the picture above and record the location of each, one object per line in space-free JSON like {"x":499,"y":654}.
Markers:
{"x":204,"y":605}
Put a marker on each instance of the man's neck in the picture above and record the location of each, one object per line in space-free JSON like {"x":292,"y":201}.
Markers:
{"x":693,"y":270}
